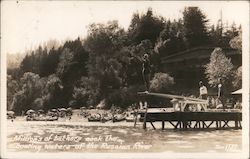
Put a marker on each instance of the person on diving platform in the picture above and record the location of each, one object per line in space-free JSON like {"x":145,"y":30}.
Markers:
{"x":146,"y":71}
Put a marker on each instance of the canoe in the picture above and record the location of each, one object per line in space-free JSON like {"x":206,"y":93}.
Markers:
{"x":46,"y":118}
{"x":91,"y":119}
{"x":11,"y":115}
{"x":94,"y":117}
{"x":118,"y":118}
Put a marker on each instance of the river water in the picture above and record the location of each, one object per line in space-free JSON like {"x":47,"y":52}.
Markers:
{"x":23,"y":136}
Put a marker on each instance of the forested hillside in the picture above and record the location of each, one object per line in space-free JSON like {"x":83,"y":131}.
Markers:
{"x":106,"y":65}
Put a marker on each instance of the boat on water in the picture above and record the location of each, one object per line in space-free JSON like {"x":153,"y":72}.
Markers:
{"x":130,"y":116}
{"x":42,"y":118}
{"x":97,"y":117}
{"x":94,"y":117}
{"x":118,"y":118}
{"x":90,"y":119}
{"x":11,"y":115}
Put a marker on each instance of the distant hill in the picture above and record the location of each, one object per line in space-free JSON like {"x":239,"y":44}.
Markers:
{"x":14,"y":60}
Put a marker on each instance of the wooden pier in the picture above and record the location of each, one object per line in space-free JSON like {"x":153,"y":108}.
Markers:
{"x":193,"y":120}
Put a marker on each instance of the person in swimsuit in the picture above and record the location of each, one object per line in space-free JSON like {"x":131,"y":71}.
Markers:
{"x":203,"y":91}
{"x":221,"y":94}
{"x":146,"y":71}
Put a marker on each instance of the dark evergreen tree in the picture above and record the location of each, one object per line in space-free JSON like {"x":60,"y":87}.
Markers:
{"x":145,"y":27}
{"x":171,"y":39}
{"x":195,"y":27}
{"x":215,"y":37}
{"x":49,"y":65}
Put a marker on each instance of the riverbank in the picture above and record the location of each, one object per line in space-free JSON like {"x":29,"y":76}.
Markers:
{"x":76,"y":119}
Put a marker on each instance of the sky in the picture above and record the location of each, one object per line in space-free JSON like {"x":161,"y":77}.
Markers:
{"x":26,"y":24}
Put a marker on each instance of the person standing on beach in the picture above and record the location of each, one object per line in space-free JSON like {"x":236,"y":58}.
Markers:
{"x":221,"y":94}
{"x":146,"y":71}
{"x":203,"y":91}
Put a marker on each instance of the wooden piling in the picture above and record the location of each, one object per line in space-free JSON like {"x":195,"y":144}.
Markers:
{"x":163,"y":125}
{"x":236,"y":124}
{"x":145,"y":119}
{"x":152,"y":125}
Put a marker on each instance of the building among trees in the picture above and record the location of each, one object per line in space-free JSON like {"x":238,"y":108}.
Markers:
{"x":187,"y":67}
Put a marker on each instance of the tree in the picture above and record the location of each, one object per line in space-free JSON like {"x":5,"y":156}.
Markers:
{"x":79,"y":57}
{"x":39,"y":62}
{"x":171,"y":39}
{"x":12,"y":89}
{"x":104,"y":43}
{"x":52,"y":93}
{"x":215,"y":35}
{"x":18,"y":102}
{"x":219,"y":67}
{"x":68,"y":61}
{"x":146,"y":26}
{"x":65,"y":60}
{"x":229,"y":34}
{"x":221,"y":35}
{"x":132,"y":57}
{"x":32,"y":86}
{"x":161,"y":82}
{"x":237,"y":81}
{"x":49,"y":65}
{"x":86,"y":92}
{"x":38,"y":104}
{"x":26,"y":64}
{"x":51,"y":44}
{"x":71,"y":66}
{"x":195,"y":27}
{"x":236,"y":42}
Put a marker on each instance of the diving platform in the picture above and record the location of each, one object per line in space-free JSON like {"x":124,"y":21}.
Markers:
{"x":217,"y":119}
{"x":188,"y":113}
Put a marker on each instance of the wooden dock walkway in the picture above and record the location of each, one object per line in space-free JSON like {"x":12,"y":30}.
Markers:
{"x":193,"y":120}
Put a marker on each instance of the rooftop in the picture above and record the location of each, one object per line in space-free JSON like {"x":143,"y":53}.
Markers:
{"x":196,"y":53}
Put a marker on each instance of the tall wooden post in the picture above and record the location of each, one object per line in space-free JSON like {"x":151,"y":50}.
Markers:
{"x":145,"y":118}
